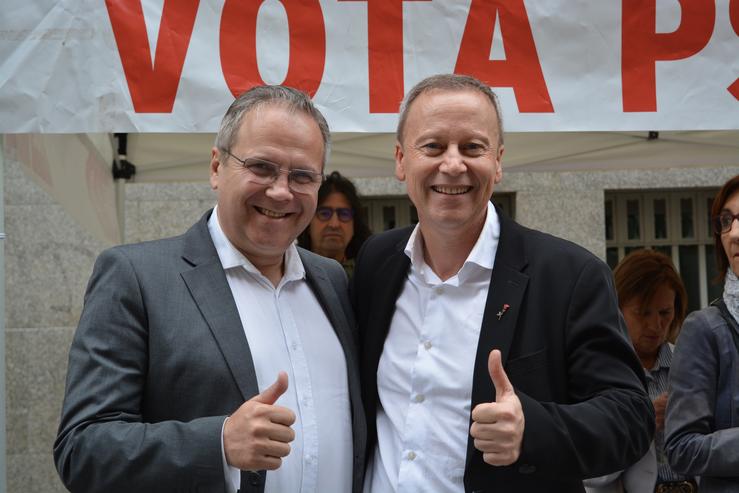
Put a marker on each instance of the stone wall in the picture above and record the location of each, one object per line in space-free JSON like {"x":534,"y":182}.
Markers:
{"x":48,"y":259}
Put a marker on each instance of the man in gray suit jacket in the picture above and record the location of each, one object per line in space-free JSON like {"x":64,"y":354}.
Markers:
{"x":202,"y":361}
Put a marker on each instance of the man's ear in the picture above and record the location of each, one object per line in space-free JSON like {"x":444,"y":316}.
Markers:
{"x":499,"y":166}
{"x":399,"y":165}
{"x":215,"y":164}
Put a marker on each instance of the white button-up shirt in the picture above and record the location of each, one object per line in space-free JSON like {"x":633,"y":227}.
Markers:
{"x":287,"y":330}
{"x":424,"y":377}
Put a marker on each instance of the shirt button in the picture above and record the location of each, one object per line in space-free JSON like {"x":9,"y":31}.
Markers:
{"x":439,"y":290}
{"x":411,"y":455}
{"x":295,"y":346}
{"x":420,"y":398}
{"x":427,"y":345}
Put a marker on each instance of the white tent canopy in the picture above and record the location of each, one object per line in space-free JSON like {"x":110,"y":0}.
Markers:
{"x":184,"y":157}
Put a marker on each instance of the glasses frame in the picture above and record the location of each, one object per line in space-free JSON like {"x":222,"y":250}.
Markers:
{"x":294,"y":185}
{"x":338,"y":211}
{"x":719,"y":228}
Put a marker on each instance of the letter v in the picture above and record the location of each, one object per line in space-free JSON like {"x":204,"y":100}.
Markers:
{"x":153,"y":85}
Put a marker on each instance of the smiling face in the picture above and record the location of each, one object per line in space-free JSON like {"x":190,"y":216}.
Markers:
{"x":649,"y":324}
{"x":450,"y":160}
{"x":730,"y":239}
{"x":261,"y":221}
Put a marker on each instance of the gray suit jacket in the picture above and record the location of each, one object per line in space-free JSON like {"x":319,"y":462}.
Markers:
{"x":158,"y":361}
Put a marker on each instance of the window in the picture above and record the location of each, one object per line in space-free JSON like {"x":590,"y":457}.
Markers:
{"x":676,"y":223}
{"x":393,"y":212}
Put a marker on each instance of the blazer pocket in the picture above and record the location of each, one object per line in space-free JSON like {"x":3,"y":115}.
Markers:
{"x":527,"y":363}
{"x":528,"y":374}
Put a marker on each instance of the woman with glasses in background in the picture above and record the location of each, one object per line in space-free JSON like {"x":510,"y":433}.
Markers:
{"x":702,"y":416}
{"x":337,"y":230}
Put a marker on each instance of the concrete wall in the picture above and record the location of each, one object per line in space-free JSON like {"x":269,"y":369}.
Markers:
{"x":49,"y":259}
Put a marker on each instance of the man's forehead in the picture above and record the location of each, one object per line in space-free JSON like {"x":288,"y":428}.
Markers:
{"x":433,"y":103}
{"x":441,"y":95}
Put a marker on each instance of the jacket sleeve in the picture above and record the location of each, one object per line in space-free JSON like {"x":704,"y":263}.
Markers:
{"x":103,"y":443}
{"x":607,"y":421}
{"x":693,"y":444}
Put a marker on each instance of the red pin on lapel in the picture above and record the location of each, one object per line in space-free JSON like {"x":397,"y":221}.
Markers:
{"x":502,"y":311}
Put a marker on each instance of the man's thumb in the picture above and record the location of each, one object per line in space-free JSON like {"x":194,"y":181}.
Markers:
{"x":274,"y":391}
{"x":503,"y":386}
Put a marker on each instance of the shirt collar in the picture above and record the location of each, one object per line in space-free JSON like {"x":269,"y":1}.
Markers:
{"x":231,"y":257}
{"x":482,"y":255}
{"x":664,"y":357}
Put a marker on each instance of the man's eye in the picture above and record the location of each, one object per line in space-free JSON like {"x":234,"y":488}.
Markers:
{"x":432,"y":148}
{"x":301,"y":176}
{"x":261,"y":168}
{"x":474,"y":149}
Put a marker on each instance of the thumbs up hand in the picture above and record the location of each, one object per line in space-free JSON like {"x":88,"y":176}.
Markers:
{"x":497,"y":427}
{"x":258,"y":434}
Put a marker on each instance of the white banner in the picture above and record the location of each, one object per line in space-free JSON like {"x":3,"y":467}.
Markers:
{"x":175,"y":66}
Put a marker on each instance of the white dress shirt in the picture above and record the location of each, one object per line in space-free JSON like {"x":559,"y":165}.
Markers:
{"x":424,"y":377}
{"x":287,"y":330}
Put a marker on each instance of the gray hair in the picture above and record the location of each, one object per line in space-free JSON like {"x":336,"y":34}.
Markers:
{"x":292,"y":99}
{"x":448,"y":82}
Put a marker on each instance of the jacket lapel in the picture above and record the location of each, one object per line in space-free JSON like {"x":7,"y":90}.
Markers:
{"x":327,"y":297}
{"x":210,"y":291}
{"x":394,"y":269}
{"x":502,"y":309}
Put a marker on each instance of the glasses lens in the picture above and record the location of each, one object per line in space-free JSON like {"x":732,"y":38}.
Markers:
{"x":345,"y":214}
{"x":726,"y":219}
{"x":324,"y":213}
{"x":304,"y":181}
{"x":262,"y":171}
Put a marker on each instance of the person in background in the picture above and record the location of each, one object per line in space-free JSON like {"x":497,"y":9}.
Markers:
{"x":653,"y":300}
{"x":337,"y":230}
{"x":702,"y":416}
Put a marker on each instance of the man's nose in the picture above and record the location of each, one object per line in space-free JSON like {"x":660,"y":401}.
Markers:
{"x":453,"y":163}
{"x":333,"y":221}
{"x":280,"y":188}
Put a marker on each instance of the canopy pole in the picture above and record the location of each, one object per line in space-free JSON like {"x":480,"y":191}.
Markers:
{"x":3,"y":400}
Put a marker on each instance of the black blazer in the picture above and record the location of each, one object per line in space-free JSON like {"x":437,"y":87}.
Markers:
{"x":564,"y":347}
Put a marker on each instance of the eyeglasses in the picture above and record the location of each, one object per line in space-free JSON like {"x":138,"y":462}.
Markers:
{"x":722,"y":223}
{"x":343,"y":213}
{"x":265,"y":172}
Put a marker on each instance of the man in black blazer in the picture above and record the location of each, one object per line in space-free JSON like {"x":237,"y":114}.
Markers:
{"x":493,"y":357}
{"x":170,"y":381}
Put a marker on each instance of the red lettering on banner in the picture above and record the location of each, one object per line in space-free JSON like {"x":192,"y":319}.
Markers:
{"x":642,"y":47}
{"x":521,"y":68}
{"x":734,"y":16}
{"x":385,"y":54}
{"x":238,"y":46}
{"x":153,"y":85}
